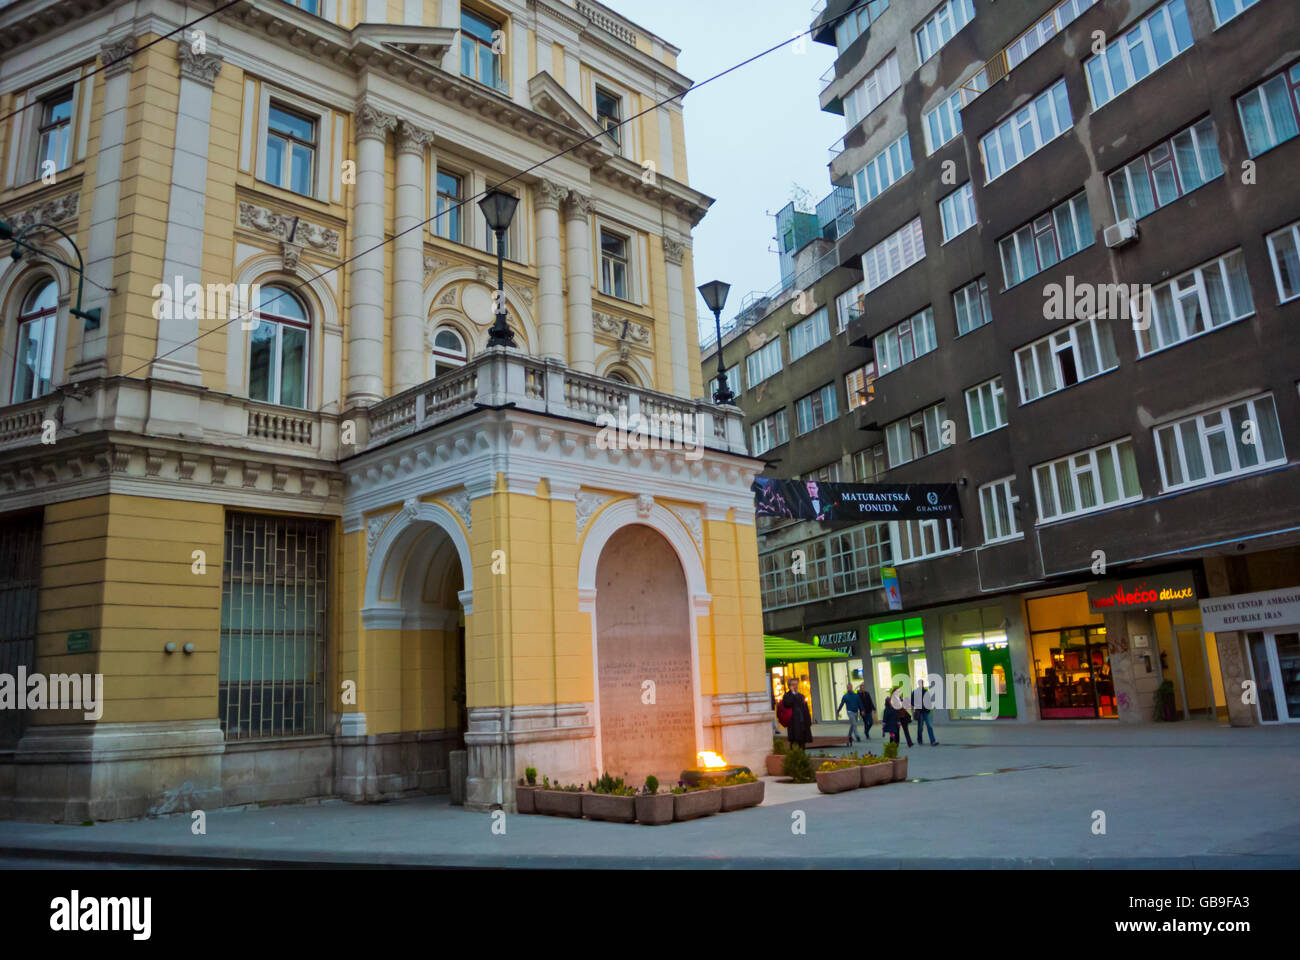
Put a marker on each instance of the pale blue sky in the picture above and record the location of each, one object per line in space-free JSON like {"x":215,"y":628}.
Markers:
{"x":750,"y":135}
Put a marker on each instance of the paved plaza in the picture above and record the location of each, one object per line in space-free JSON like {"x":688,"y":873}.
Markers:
{"x":1186,"y":795}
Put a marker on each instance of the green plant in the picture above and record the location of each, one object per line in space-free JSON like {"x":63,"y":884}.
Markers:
{"x":780,"y":747}
{"x":891,"y":750}
{"x":798,"y":766}
{"x":546,"y":783}
{"x":680,"y":788}
{"x":652,"y":784}
{"x":742,"y":777}
{"x":530,"y":774}
{"x":607,"y":784}
{"x":870,"y":760}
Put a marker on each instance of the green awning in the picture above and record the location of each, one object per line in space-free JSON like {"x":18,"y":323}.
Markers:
{"x":780,"y":650}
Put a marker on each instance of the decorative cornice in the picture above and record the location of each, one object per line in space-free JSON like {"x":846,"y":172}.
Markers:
{"x":577,"y":205}
{"x":548,"y":195}
{"x":674,"y":251}
{"x":432,"y":265}
{"x":373,"y":123}
{"x":200,"y":67}
{"x":278,"y":225}
{"x":413,"y":139}
{"x":52,"y":211}
{"x":116,"y":56}
{"x":621,"y":328}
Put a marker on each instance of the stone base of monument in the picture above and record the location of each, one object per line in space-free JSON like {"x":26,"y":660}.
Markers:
{"x":712,"y":776}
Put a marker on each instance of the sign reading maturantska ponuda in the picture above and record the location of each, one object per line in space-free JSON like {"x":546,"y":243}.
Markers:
{"x":855,"y":502}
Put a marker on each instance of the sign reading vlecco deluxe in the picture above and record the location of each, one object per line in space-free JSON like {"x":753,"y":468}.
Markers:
{"x":1157,"y":591}
{"x":1247,"y":611}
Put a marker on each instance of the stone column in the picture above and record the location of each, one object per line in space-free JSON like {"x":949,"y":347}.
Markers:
{"x":550,"y":271}
{"x":366,"y":305}
{"x":674,"y":251}
{"x":409,"y":367}
{"x":577,"y":225}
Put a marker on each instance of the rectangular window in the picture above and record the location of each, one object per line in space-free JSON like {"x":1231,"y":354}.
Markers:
{"x":971,"y":303}
{"x":1225,"y":10}
{"x":847,"y":561}
{"x":986,"y":407}
{"x":875,"y":87}
{"x":309,"y":6}
{"x":54,"y":133}
{"x":274,"y":627}
{"x":1138,"y":52}
{"x":942,"y":26}
{"x":855,"y":22}
{"x":944,"y":122}
{"x":769,"y":432}
{"x":1049,"y":26}
{"x":1070,"y":355}
{"x":827,"y":474}
{"x":957,"y":211}
{"x":901,"y":344}
{"x":893,"y":255}
{"x":916,"y":436}
{"x":816,"y":409}
{"x":860,"y":385}
{"x":1270,"y":113}
{"x":1201,"y":300}
{"x":1284,"y":253}
{"x":450,"y":197}
{"x":809,"y":334}
{"x":1087,"y":481}
{"x":848,"y":307}
{"x":290,"y":150}
{"x":733,"y":382}
{"x":869,"y":465}
{"x":609,"y":112}
{"x":1026,"y":131}
{"x":1228,"y":442}
{"x":1171,"y":169}
{"x":613,"y":265}
{"x":922,"y":539}
{"x":1047,"y":240}
{"x":883,"y":170}
{"x":479,"y":59}
{"x":998,"y":502}
{"x":763,"y":362}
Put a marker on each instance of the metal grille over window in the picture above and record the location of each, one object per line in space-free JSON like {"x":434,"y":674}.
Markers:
{"x":20,"y":581}
{"x":273,"y":627}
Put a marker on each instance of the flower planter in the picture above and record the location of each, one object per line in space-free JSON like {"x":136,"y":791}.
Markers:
{"x":526,"y":799}
{"x":775,"y":764}
{"x":741,"y":795}
{"x":837,"y":781}
{"x":653,"y":809}
{"x":696,"y":803}
{"x":875,"y":773}
{"x":900,"y":768}
{"x":559,"y":803}
{"x":608,"y":806}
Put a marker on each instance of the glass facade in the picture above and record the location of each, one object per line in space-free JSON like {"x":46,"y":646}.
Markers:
{"x":977,"y":662}
{"x":1071,"y":661}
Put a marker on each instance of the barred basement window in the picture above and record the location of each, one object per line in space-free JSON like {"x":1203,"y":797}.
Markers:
{"x":20,"y":582}
{"x":274,"y":605}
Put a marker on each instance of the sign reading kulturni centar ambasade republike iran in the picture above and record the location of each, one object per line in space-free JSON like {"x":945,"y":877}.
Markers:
{"x":1251,"y":611}
{"x":855,"y":502}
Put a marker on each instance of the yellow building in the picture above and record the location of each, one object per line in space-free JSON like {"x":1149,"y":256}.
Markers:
{"x":313,"y":534}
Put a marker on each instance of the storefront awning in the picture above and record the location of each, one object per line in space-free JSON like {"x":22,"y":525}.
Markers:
{"x":780,"y":650}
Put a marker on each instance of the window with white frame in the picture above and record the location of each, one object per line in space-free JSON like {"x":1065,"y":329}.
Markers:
{"x":1270,"y":113}
{"x":614,"y":261}
{"x":847,"y":561}
{"x":308,"y":6}
{"x":1201,"y":300}
{"x":916,"y":436}
{"x":609,"y":112}
{"x":1047,"y":240}
{"x":922,"y":539}
{"x":816,"y":409}
{"x":890,"y":257}
{"x":986,"y":407}
{"x":733,"y":381}
{"x":1229,"y":441}
{"x":810,"y":333}
{"x":854,"y":23}
{"x":1069,"y":356}
{"x":451,"y":195}
{"x":827,"y":474}
{"x":1225,"y":10}
{"x":277,"y":352}
{"x":34,"y":353}
{"x":903,"y":343}
{"x":1284,"y":254}
{"x":943,"y":122}
{"x":1044,"y":30}
{"x":875,"y":87}
{"x":291,"y":149}
{"x":1138,"y":52}
{"x":769,"y":432}
{"x":869,"y":465}
{"x":1087,"y":481}
{"x":54,"y":132}
{"x":971,"y":304}
{"x":1169,"y":170}
{"x":763,"y":362}
{"x":1026,"y":131}
{"x":957,"y":211}
{"x":859,"y":384}
{"x":883,"y":170}
{"x":941,"y":26}
{"x":846,"y":306}
{"x":449,"y":350}
{"x":479,"y":56}
{"x":998,"y":502}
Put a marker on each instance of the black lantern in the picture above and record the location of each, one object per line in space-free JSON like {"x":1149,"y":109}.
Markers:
{"x":499,"y":209}
{"x":715,"y":296}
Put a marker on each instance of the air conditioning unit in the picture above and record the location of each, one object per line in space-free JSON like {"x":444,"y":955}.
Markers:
{"x":1121,"y":234}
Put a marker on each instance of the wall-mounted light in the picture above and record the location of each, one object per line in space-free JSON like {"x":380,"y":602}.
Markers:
{"x":169,"y":647}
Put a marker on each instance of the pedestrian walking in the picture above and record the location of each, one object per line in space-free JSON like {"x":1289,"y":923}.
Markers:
{"x":853,"y":703}
{"x":923,"y":703}
{"x":868,"y":709}
{"x":799,"y":730}
{"x":903,"y":715}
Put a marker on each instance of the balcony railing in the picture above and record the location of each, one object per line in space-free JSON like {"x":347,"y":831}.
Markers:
{"x":826,"y":79}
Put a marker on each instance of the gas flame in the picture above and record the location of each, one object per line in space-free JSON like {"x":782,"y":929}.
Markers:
{"x":710,"y":760}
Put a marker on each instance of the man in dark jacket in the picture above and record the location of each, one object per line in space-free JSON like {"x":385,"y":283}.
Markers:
{"x":922,"y":704}
{"x":854,"y":705}
{"x":800,"y":730}
{"x":868,"y":709}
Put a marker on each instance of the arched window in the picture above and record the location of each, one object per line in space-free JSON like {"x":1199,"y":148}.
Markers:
{"x":618,"y":376}
{"x":277,"y":356}
{"x":448,"y":351}
{"x":34,"y":356}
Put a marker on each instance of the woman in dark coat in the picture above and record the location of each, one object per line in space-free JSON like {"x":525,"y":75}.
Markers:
{"x":891,"y":722}
{"x":800,"y":729}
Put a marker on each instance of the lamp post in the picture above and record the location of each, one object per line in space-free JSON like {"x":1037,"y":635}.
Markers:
{"x":499,"y":209}
{"x":715,"y":295}
{"x":89,"y":317}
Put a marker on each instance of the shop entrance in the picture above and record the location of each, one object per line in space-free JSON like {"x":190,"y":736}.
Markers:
{"x":1275,"y":664}
{"x":1071,"y":659}
{"x":1183,"y":659}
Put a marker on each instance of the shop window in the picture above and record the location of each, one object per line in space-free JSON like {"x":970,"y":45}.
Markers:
{"x":977,"y":662}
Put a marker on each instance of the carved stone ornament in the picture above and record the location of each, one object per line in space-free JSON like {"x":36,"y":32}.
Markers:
{"x":674,"y":251}
{"x":53,"y":211}
{"x":289,"y":254}
{"x":411,"y":509}
{"x":412,"y":139}
{"x":621,"y":328}
{"x":200,"y":67}
{"x":448,"y":299}
{"x":691,"y":520}
{"x":548,"y":195}
{"x":374,"y":123}
{"x":279,"y":225}
{"x":644,"y":504}
{"x":458,"y":501}
{"x":116,"y":55}
{"x":432,"y":265}
{"x":577,"y":205}
{"x":374,"y":527}
{"x":586,"y":505}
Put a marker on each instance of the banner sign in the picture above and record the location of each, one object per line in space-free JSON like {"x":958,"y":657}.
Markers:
{"x":1251,"y":611}
{"x":855,"y":502}
{"x":1159,"y":591}
{"x":889,"y":580}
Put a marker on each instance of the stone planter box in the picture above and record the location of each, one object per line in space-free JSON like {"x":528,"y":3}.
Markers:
{"x":900,"y":768}
{"x":608,"y":806}
{"x":696,"y":803}
{"x":526,"y":799}
{"x":775,"y":764}
{"x":874,"y":773}
{"x":741,"y":795}
{"x":837,"y":781}
{"x":653,"y":809}
{"x":559,"y":803}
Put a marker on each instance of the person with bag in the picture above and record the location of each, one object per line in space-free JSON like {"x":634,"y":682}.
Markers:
{"x":922,"y":702}
{"x":904,"y":717}
{"x":798,"y":721}
{"x":868,"y":709}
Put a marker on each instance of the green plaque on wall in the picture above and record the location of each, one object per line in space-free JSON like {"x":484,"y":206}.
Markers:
{"x":79,"y":641}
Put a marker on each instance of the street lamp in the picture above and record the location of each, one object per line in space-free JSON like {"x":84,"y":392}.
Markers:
{"x":715,"y":295}
{"x":499,"y":209}
{"x":89,"y":317}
